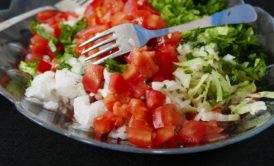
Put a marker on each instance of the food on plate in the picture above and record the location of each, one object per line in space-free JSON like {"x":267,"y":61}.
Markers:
{"x":177,"y":91}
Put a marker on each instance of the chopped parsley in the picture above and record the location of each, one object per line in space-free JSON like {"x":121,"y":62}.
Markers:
{"x":113,"y":66}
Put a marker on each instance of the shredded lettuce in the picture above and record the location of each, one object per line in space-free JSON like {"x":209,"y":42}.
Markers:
{"x":209,"y":116}
{"x":243,"y":90}
{"x":29,"y":67}
{"x":239,"y":41}
{"x":183,"y":77}
{"x":266,"y":94}
{"x":248,"y":107}
{"x":222,"y":65}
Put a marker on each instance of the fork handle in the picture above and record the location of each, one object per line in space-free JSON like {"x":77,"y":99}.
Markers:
{"x":236,"y":15}
{"x":16,"y":19}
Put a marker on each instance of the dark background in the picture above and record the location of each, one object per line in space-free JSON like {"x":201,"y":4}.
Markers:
{"x":24,"y":143}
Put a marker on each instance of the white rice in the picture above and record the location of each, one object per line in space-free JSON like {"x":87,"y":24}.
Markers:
{"x":68,"y":84}
{"x":85,"y":112}
{"x":119,"y":133}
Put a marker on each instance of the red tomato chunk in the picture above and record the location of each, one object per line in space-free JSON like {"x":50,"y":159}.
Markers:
{"x":93,"y":77}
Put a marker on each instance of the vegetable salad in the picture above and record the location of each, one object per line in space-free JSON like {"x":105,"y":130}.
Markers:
{"x":176,"y":91}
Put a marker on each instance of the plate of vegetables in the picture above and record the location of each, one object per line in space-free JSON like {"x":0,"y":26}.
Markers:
{"x":185,"y":92}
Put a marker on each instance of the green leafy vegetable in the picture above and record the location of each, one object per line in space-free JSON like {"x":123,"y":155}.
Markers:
{"x":16,"y":86}
{"x":176,"y":12}
{"x":29,"y":67}
{"x":52,"y":46}
{"x":68,"y":31}
{"x":222,"y":63}
{"x":42,"y":32}
{"x":267,"y":94}
{"x":114,"y":66}
{"x":62,"y":61}
{"x":69,"y":48}
{"x":251,"y":107}
{"x":238,"y":41}
{"x":33,"y":25}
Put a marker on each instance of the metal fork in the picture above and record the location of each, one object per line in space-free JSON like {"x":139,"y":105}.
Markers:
{"x":128,"y":36}
{"x":64,"y":5}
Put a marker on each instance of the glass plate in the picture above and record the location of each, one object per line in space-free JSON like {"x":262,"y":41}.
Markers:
{"x":14,"y":40}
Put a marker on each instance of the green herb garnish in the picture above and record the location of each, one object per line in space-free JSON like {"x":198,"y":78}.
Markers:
{"x":113,"y":66}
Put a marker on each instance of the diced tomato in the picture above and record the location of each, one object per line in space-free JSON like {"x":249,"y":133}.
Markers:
{"x":94,"y":14}
{"x":117,"y":83}
{"x":120,"y":109}
{"x":94,"y":4}
{"x":45,"y":16}
{"x":39,"y":44}
{"x":170,"y":115}
{"x":115,"y":6}
{"x":172,"y":39}
{"x":119,"y":18}
{"x":131,"y":7}
{"x":136,"y":103}
{"x":138,"y":87}
{"x":43,"y":66}
{"x":57,"y":30}
{"x":109,"y":101}
{"x":140,"y":133}
{"x":192,"y":133}
{"x":61,"y":17}
{"x":166,"y":54}
{"x":175,"y":38}
{"x":144,"y":61}
{"x":103,"y":124}
{"x":119,"y":121}
{"x":154,"y":99}
{"x":155,"y":22}
{"x":190,"y":115}
{"x":37,"y":39}
{"x":213,"y":131}
{"x":138,"y":109}
{"x":138,"y":123}
{"x":93,"y":77}
{"x":4,"y":80}
{"x":164,"y":134}
{"x":165,"y":58}
{"x":140,"y":137}
{"x":54,"y":16}
{"x":149,"y":19}
{"x":111,"y":98}
{"x":131,"y":73}
{"x":91,"y":31}
{"x":39,"y":48}
{"x":166,"y":115}
{"x":86,"y":34}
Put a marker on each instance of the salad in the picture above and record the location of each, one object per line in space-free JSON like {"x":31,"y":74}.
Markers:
{"x":177,"y":91}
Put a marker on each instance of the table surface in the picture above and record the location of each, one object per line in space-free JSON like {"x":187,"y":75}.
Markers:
{"x":23,"y":142}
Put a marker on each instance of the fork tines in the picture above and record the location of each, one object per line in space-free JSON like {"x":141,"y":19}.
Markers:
{"x":96,"y":37}
{"x":112,"y":38}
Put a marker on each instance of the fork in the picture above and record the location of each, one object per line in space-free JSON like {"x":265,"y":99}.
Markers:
{"x":64,"y":5}
{"x":128,"y":36}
